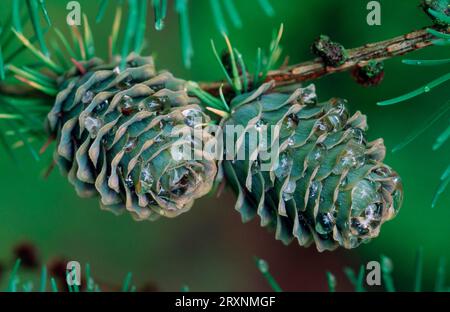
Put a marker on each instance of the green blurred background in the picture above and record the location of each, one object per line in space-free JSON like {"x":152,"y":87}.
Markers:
{"x":209,"y":248}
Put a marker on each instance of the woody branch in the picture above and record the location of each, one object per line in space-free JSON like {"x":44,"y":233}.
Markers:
{"x":360,"y":56}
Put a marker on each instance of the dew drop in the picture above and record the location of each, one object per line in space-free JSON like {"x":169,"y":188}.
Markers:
{"x":192,"y":117}
{"x":338,"y":118}
{"x":317,"y":154}
{"x":308,"y":95}
{"x":129,"y":182}
{"x":146,"y":179}
{"x":158,"y":87}
{"x":125,"y":83}
{"x":151,"y":103}
{"x":341,"y":106}
{"x":92,"y":125}
{"x":382,"y":171}
{"x":162,"y":192}
{"x":87,"y":97}
{"x":344,"y":182}
{"x":256,"y":167}
{"x":323,"y":126}
{"x":397,"y":181}
{"x":158,"y":138}
{"x":335,"y":122}
{"x":130,"y":145}
{"x":373,"y":212}
{"x":289,"y":190}
{"x":397,"y":199}
{"x":359,"y":136}
{"x":363,"y":194}
{"x":101,"y":106}
{"x":314,"y":189}
{"x":325,"y":223}
{"x":352,"y":157}
{"x":360,"y":228}
{"x":302,"y":220}
{"x":259,"y":124}
{"x":284,"y":166}
{"x":291,"y":141}
{"x":291,"y":122}
{"x":287,"y":196}
{"x":126,"y":107}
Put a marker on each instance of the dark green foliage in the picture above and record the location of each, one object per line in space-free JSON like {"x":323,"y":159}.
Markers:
{"x":33,"y":9}
{"x":220,"y":11}
{"x":443,"y":39}
{"x":49,"y":283}
{"x":387,"y":267}
{"x":90,"y":284}
{"x":21,"y":117}
{"x":439,"y":11}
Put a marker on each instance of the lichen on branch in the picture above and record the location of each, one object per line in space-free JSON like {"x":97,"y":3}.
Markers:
{"x":360,"y":56}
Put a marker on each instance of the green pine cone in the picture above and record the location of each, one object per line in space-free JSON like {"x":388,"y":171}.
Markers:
{"x":328,"y":185}
{"x":115,"y":130}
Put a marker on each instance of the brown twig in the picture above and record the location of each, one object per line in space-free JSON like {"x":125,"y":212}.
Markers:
{"x":315,"y":69}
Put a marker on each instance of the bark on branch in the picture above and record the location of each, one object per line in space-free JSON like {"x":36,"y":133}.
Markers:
{"x":315,"y":69}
